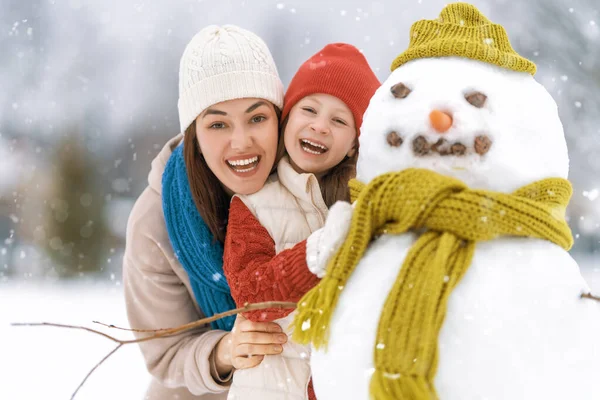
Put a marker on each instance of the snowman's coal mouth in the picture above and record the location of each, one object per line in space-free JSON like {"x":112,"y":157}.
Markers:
{"x":422,"y":147}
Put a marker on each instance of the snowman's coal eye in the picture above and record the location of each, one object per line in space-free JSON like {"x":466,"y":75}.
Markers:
{"x":476,"y":99}
{"x":400,"y":90}
{"x":393,"y":139}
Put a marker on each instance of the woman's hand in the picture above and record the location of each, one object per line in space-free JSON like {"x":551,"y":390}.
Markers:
{"x":247,"y":344}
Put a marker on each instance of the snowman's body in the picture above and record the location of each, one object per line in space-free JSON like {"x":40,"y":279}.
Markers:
{"x":515,"y":327}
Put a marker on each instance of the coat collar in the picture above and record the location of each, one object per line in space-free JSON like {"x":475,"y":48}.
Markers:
{"x":302,"y":186}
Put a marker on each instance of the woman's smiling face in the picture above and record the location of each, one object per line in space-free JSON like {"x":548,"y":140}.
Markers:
{"x":238,"y":139}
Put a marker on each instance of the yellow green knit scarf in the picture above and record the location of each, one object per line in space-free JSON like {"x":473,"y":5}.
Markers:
{"x":453,"y":219}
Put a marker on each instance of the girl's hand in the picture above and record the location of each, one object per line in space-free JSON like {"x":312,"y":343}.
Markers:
{"x":247,"y":344}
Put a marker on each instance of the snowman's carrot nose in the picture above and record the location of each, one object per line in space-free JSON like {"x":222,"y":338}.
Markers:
{"x":440,"y":121}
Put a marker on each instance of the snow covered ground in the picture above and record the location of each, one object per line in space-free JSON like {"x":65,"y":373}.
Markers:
{"x":48,"y":363}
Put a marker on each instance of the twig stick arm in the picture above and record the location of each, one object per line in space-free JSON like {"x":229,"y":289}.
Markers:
{"x":204,"y":321}
{"x":589,"y":296}
{"x":83,"y":328}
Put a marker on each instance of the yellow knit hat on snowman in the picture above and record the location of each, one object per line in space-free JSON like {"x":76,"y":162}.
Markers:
{"x":462,"y":30}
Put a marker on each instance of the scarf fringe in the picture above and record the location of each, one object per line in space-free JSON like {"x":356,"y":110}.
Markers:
{"x":397,"y":386}
{"x":311,"y":324}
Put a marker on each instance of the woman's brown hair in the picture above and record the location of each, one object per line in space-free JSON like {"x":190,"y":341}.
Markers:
{"x":209,"y":195}
{"x":334,"y":184}
{"x":211,"y":199}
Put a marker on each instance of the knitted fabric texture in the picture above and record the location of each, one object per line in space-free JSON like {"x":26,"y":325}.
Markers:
{"x":339,"y":70}
{"x":194,"y":245}
{"x":255,"y":273}
{"x":225,"y":63}
{"x":462,"y":31}
{"x":454,"y":218}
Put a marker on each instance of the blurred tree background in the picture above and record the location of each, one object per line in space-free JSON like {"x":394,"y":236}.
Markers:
{"x":89,"y":97}
{"x":75,"y":226}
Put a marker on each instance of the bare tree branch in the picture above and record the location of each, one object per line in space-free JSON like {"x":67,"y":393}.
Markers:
{"x":158,"y":333}
{"x":83,"y":328}
{"x":127,"y":329}
{"x":589,"y":296}
{"x":93,"y":369}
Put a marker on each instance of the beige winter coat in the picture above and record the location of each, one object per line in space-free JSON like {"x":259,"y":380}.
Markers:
{"x":158,"y":295}
{"x":290,"y":207}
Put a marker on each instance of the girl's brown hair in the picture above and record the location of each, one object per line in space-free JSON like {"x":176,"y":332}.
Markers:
{"x":334,"y":184}
{"x":211,"y":199}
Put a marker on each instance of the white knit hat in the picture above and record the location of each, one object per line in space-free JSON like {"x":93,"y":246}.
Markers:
{"x":225,"y":63}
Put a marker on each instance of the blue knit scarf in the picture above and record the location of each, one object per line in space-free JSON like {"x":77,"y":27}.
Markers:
{"x":194,"y":244}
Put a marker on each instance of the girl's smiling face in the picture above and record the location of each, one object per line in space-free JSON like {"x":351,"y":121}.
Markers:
{"x":319,"y":134}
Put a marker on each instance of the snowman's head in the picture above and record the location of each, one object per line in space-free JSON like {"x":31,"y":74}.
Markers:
{"x":492,"y":128}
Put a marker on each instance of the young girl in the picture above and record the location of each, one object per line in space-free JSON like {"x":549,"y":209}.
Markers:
{"x":265,"y":247}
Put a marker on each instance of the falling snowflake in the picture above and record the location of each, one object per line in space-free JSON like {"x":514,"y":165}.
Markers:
{"x":306,"y":325}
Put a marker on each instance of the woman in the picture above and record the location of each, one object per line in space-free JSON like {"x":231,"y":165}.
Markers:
{"x":230,"y":97}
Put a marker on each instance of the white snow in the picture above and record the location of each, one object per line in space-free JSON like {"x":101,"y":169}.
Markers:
{"x":49,"y":362}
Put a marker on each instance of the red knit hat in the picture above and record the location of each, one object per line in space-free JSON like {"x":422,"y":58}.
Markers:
{"x":339,"y":70}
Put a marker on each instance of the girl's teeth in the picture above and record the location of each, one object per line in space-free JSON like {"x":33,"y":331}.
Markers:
{"x":314,"y":144}
{"x":311,"y":152}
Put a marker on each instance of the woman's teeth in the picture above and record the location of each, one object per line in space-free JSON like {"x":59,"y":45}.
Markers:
{"x":243,"y":165}
{"x":243,"y":162}
{"x":312,"y":147}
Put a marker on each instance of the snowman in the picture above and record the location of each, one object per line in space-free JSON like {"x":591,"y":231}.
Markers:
{"x":453,"y":280}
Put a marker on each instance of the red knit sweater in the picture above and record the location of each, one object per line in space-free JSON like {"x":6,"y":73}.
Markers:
{"x":253,"y":270}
